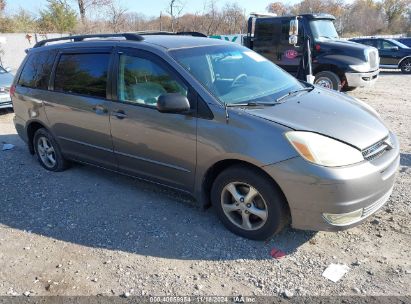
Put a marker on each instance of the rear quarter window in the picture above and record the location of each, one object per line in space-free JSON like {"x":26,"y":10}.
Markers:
{"x":84,"y":74}
{"x":36,"y":70}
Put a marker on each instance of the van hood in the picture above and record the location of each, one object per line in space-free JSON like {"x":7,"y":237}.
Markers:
{"x":330,"y":113}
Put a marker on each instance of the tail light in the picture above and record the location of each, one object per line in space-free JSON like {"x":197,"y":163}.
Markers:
{"x":12,"y":90}
{"x":317,"y":47}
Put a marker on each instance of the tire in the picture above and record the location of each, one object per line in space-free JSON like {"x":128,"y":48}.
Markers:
{"x":405,"y":66}
{"x":269,"y":200}
{"x":47,"y":150}
{"x":328,"y":79}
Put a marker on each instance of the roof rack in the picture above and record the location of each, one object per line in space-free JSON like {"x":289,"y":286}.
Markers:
{"x":194,"y":34}
{"x":76,"y":38}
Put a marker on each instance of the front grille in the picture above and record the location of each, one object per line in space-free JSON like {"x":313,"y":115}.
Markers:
{"x":377,"y":149}
{"x":376,"y":205}
{"x":373,"y":58}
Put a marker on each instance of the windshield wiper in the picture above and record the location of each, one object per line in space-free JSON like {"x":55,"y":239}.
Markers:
{"x":280,"y":99}
{"x":251,"y":104}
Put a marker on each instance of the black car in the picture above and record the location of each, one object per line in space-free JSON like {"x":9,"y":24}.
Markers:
{"x":405,"y":40}
{"x":393,"y":54}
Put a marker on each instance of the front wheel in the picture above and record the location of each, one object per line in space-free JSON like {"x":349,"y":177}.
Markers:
{"x":328,"y":79}
{"x":405,"y":66}
{"x":248,"y":203}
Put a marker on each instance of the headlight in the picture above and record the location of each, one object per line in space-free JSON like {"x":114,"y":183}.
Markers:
{"x":362,"y":68}
{"x":323,"y":150}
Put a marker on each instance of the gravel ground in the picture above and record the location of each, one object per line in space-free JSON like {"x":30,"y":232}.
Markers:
{"x":86,"y":231}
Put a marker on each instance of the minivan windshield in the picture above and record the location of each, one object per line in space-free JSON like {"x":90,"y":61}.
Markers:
{"x":235,"y":74}
{"x":323,"y":29}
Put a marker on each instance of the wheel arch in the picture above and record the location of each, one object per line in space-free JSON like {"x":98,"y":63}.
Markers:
{"x":220,"y":166}
{"x":402,"y":59}
{"x":332,"y":68}
{"x":31,"y":129}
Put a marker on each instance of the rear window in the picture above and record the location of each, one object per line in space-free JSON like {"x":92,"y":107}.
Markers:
{"x":36,"y":71}
{"x":84,"y":74}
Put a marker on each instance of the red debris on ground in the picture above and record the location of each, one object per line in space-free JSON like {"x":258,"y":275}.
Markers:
{"x":277,"y":253}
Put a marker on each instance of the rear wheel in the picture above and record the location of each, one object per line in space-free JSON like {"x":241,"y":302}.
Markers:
{"x":328,"y":79}
{"x":48,"y":152}
{"x":248,"y":203}
{"x":405,"y":66}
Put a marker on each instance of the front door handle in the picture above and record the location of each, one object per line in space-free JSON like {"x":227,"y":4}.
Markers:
{"x":100,"y":110}
{"x":120,"y":114}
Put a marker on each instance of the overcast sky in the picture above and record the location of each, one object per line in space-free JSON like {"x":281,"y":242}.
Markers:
{"x":141,"y":6}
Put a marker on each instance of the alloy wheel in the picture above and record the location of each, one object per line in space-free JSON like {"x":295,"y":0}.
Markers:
{"x":244,"y":206}
{"x":46,"y":152}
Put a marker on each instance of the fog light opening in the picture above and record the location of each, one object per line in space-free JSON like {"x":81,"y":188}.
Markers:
{"x":343,"y":219}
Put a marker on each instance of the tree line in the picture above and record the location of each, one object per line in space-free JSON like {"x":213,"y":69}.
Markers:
{"x":360,"y":17}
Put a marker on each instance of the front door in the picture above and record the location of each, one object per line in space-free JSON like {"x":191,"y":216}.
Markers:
{"x":147,"y":143}
{"x":389,"y":52}
{"x":77,"y":106}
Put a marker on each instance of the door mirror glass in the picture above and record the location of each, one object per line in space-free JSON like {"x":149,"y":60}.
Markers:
{"x":293,"y":32}
{"x":172,"y":103}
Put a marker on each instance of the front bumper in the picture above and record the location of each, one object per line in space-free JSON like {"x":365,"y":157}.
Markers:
{"x":313,"y":190}
{"x":5,"y":101}
{"x":356,"y":79}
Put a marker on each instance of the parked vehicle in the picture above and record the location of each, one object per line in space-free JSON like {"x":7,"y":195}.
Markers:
{"x":393,"y":54}
{"x":6,"y":79}
{"x":211,"y":118}
{"x":405,"y":40}
{"x":336,"y":64}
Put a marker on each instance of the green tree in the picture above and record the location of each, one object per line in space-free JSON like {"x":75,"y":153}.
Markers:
{"x":24,"y":22}
{"x":58,"y":16}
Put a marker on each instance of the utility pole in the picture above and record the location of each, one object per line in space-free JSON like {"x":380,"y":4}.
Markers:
{"x":161,"y":21}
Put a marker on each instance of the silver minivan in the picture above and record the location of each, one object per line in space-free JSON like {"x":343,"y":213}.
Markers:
{"x":210,"y":118}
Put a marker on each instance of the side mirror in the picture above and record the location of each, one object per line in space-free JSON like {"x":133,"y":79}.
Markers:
{"x":8,"y":69}
{"x":293,"y":32}
{"x":173,"y":103}
{"x":394,"y":48}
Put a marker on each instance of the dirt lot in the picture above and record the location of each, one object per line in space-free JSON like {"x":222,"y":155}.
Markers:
{"x":86,"y":231}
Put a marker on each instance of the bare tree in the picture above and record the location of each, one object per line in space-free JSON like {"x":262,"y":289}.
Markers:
{"x":278,"y":8}
{"x":395,"y":9}
{"x":174,"y":9}
{"x":116,"y":15}
{"x":85,"y":5}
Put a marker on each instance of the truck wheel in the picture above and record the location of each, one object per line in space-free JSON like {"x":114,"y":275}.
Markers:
{"x":248,"y":203}
{"x":405,"y":66}
{"x":328,"y":79}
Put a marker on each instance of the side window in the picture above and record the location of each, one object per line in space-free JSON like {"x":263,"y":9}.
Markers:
{"x":368,"y":42}
{"x":84,"y":74}
{"x":36,"y":71}
{"x":142,"y":81}
{"x":386,"y":45}
{"x":264,"y":29}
